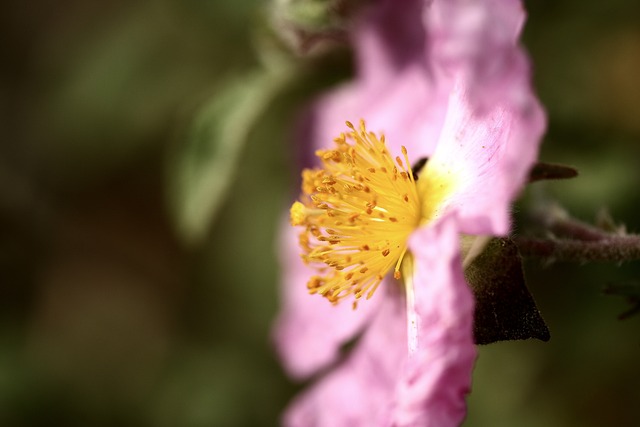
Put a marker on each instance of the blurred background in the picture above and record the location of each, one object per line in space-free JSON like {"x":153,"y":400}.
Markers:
{"x":144,"y":168}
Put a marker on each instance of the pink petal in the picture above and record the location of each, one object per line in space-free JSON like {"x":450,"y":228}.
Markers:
{"x":406,"y":110}
{"x":394,"y":92}
{"x":489,"y":154}
{"x":379,"y":33}
{"x":309,"y":331}
{"x":437,"y":375}
{"x":412,"y":60}
{"x":378,"y":384}
{"x":476,"y":41}
{"x":359,"y":392}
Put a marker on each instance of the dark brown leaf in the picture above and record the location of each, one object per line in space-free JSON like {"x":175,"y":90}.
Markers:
{"x":542,"y":171}
{"x":505,"y":309}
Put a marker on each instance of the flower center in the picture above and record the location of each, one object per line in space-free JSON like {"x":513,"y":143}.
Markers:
{"x":358,"y":212}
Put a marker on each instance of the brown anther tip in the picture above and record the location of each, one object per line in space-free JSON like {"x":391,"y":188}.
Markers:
{"x":392,"y":219}
{"x":386,"y":252}
{"x":349,"y":124}
{"x":397,"y":275}
{"x":406,"y":198}
{"x":399,"y":161}
{"x":372,"y":170}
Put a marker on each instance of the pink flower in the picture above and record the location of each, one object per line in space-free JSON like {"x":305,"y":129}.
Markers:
{"x":447,"y":80}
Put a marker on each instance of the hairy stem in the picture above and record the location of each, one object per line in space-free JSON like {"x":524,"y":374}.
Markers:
{"x":609,"y":248}
{"x":578,"y":230}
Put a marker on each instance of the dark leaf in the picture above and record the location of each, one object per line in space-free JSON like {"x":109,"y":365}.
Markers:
{"x":505,"y":310}
{"x":542,"y":171}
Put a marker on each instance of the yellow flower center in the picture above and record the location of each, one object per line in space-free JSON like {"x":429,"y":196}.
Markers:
{"x":358,"y":212}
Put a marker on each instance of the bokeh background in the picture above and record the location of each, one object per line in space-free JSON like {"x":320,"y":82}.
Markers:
{"x":138,"y":270}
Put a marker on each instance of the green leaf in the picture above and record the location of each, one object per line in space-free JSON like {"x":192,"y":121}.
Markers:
{"x":203,"y":169}
{"x":312,"y":14}
{"x":505,"y":309}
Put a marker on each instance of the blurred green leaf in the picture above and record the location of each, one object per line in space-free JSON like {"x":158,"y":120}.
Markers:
{"x":305,"y":13}
{"x":306,"y":24}
{"x":206,"y":165}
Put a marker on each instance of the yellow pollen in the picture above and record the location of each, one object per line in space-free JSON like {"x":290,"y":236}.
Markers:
{"x":297,"y":214}
{"x":359,"y":204}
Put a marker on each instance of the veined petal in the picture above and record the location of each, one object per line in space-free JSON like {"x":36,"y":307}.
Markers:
{"x":309,"y":331}
{"x":437,"y":375}
{"x":487,"y":155}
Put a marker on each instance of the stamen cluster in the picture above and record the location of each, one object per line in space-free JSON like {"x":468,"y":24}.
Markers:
{"x":358,"y":212}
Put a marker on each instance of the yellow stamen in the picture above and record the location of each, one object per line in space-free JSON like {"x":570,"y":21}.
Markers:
{"x":358,"y":212}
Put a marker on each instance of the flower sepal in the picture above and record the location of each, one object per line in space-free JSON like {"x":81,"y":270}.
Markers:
{"x":505,"y":309}
{"x":546,"y":171}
